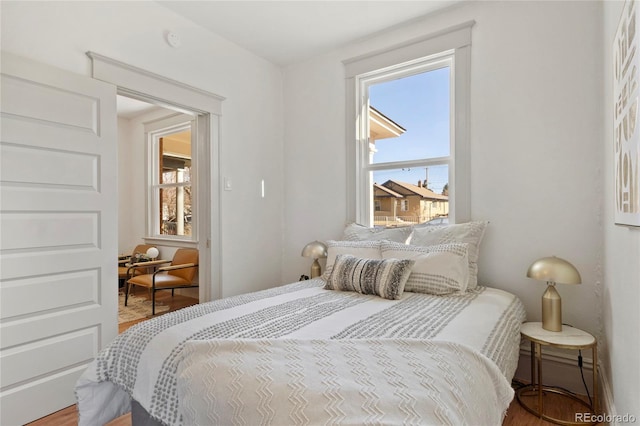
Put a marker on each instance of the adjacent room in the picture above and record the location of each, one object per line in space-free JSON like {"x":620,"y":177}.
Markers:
{"x":358,"y":212}
{"x":157,"y":147}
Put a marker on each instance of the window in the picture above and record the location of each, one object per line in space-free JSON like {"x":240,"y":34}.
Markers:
{"x":171,"y":191}
{"x":410,"y":140}
{"x":409,"y":128}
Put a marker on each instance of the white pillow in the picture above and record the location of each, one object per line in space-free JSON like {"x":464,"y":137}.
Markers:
{"x":441,"y":269}
{"x":355,"y":232}
{"x":470,"y":233}
{"x":362,"y":249}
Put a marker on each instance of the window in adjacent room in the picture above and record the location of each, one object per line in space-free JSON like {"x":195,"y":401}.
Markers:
{"x":172,"y":180}
{"x":411,"y":152}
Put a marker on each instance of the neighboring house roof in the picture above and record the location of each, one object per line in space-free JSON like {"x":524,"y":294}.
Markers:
{"x":382,"y":127}
{"x":407,"y":189}
{"x":383,"y":191}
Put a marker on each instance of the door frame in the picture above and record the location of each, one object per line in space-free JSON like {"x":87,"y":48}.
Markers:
{"x":156,"y":89}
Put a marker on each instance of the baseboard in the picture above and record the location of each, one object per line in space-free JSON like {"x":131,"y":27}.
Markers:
{"x":608,"y":408}
{"x":188,"y":292}
{"x":558,"y":369}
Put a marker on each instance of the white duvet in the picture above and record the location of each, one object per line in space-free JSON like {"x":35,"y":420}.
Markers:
{"x":339,"y":382}
{"x":153,"y":362}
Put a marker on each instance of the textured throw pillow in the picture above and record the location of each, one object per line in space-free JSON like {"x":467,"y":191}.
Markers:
{"x":441,"y":269}
{"x":470,"y":233}
{"x":364,"y":249}
{"x":384,"y":277}
{"x":355,"y":232}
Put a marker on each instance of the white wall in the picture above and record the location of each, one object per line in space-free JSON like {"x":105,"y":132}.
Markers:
{"x":621,"y":291}
{"x":127,"y":237}
{"x":59,"y":33}
{"x":132,"y":180}
{"x":535,"y":144}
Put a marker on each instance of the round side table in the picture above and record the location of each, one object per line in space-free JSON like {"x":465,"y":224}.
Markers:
{"x":568,"y":338}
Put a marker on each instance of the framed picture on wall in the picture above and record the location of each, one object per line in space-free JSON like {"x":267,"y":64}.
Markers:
{"x":626,"y":138}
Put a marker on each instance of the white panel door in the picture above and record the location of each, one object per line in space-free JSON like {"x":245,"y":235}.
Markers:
{"x":58,"y":231}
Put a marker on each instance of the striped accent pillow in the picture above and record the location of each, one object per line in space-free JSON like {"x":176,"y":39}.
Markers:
{"x":438,"y":270}
{"x":385,"y":277}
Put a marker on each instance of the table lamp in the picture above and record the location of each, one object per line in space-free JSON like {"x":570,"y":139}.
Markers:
{"x":152,"y":253}
{"x":553,"y":270}
{"x":315,"y":250}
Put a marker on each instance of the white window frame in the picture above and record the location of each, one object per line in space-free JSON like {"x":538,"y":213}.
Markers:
{"x":153,"y":177}
{"x":452,"y":44}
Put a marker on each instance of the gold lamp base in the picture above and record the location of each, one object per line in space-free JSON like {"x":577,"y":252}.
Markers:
{"x":551,"y":309}
{"x":315,"y":269}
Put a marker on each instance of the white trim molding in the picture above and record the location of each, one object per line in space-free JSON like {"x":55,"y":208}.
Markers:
{"x":606,"y":403}
{"x":451,"y":44}
{"x":133,"y":80}
{"x":558,"y":369}
{"x":453,"y":37}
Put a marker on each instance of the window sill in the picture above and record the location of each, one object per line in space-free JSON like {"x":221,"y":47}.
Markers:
{"x":171,"y":242}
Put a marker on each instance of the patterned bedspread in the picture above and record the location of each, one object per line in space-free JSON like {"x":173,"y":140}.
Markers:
{"x":143,"y":363}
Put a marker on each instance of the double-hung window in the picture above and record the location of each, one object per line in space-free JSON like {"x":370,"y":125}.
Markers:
{"x":409,"y":143}
{"x":171,"y":191}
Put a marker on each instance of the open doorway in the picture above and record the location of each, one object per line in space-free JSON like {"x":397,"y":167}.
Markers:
{"x":158,"y":171}
{"x":206,"y":109}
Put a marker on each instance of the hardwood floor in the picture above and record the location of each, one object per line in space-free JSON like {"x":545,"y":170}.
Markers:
{"x":516,"y":414}
{"x":555,"y":406}
{"x":69,"y":417}
{"x":176,"y":302}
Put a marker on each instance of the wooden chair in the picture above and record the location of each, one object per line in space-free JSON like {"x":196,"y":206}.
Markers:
{"x":124,"y":263}
{"x":179,"y":274}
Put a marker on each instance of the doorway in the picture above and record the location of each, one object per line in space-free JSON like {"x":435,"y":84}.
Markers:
{"x":158,"y":193}
{"x":163,"y":92}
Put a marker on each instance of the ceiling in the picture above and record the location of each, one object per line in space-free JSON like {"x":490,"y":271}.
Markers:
{"x":286,"y":32}
{"x":130,"y":108}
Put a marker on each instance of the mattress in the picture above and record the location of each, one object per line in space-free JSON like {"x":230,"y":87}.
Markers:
{"x":160,"y":361}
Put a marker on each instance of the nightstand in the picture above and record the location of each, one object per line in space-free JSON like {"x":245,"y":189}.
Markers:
{"x":568,"y":338}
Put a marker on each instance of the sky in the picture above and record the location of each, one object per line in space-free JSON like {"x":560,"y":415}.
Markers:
{"x":419,"y":104}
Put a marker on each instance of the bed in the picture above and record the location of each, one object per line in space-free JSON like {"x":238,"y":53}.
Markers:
{"x":306,"y":353}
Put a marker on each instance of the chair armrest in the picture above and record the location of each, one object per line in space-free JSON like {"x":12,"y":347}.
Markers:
{"x":150,"y":263}
{"x":174,"y":267}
